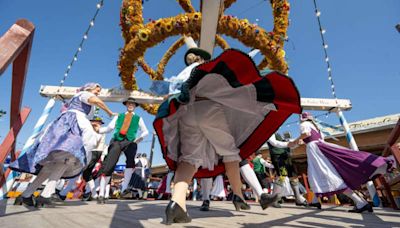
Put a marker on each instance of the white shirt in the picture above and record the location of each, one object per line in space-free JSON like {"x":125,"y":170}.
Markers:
{"x":276,"y":143}
{"x":266,"y":164}
{"x":111,"y":126}
{"x":101,"y":143}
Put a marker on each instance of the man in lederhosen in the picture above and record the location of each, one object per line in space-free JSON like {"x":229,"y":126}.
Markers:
{"x":125,"y":127}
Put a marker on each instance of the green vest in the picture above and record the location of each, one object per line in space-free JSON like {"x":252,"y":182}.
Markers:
{"x":258,"y":167}
{"x":275,"y":150}
{"x":132,"y":130}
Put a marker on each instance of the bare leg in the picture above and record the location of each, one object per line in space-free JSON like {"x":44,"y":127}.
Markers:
{"x":233,"y":174}
{"x":183,"y":175}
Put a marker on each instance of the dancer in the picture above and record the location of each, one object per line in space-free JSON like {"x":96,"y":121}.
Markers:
{"x":260,"y":166}
{"x":64,"y":147}
{"x":138,"y":179}
{"x":334,"y":169}
{"x":87,"y":175}
{"x":96,"y":122}
{"x":125,"y":127}
{"x":280,"y":155}
{"x":209,"y":130}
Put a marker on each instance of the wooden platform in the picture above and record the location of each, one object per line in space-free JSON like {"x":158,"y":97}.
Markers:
{"x":124,"y":213}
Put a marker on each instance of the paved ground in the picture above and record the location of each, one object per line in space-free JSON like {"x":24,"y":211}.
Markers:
{"x":122,"y":213}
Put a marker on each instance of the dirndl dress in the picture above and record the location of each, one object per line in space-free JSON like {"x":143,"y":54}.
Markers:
{"x":333,"y":169}
{"x":138,"y":179}
{"x":254,"y":106}
{"x":69,"y":139}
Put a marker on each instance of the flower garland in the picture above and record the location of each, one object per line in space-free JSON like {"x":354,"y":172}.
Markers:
{"x":281,"y":20}
{"x":131,"y":18}
{"x":228,"y":3}
{"x":139,"y":37}
{"x":221,"y":42}
{"x":186,"y":6}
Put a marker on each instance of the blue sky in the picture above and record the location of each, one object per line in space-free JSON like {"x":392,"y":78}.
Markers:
{"x":364,"y":49}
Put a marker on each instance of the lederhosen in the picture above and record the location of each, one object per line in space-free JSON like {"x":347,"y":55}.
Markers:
{"x":281,"y":159}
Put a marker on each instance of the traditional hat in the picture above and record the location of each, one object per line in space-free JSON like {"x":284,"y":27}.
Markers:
{"x":197,"y":51}
{"x":97,"y":119}
{"x":132,"y":100}
{"x":306,"y":116}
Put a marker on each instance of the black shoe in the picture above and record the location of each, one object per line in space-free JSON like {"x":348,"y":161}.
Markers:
{"x":239,"y":203}
{"x":56,"y":197}
{"x":41,"y":201}
{"x":87,"y":196}
{"x":317,"y":205}
{"x":303,"y":204}
{"x":205,"y":206}
{"x":267,"y":200}
{"x":175,"y":214}
{"x":276,"y":204}
{"x":28,"y":201}
{"x":126,"y":194}
{"x":101,"y":200}
{"x":61,"y":196}
{"x":367,"y":207}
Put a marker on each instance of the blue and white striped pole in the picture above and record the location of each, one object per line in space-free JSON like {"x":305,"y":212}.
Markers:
{"x":36,"y":131}
{"x":350,"y":139}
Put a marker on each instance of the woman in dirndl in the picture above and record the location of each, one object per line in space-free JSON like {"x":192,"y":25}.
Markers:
{"x":139,"y":176}
{"x":226,"y":110}
{"x":335,"y":169}
{"x":63,"y":148}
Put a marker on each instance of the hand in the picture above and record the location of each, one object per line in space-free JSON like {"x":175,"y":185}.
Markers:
{"x":113,"y":114}
{"x":138,"y":140}
{"x":292,"y":144}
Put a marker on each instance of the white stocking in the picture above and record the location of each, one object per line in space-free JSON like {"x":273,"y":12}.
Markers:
{"x":206,"y":186}
{"x":358,"y":201}
{"x":250,"y":177}
{"x":103,"y":182}
{"x":127,"y":177}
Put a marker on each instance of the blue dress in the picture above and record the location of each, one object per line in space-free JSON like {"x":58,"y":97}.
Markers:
{"x":62,"y":141}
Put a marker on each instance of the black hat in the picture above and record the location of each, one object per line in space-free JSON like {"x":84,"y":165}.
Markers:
{"x":197,"y":51}
{"x":98,"y":119}
{"x":132,"y":100}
